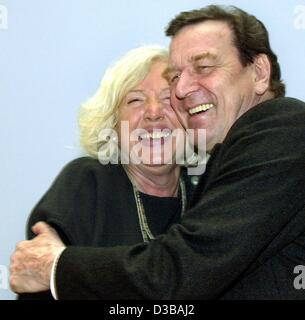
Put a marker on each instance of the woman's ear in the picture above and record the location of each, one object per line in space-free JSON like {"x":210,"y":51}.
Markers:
{"x":262,"y":69}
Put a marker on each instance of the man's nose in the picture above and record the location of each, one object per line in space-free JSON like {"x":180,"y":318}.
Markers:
{"x":154,"y":111}
{"x":186,"y":84}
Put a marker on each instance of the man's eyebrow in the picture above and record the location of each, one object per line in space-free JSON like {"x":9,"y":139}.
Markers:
{"x":204,"y":55}
{"x":201,"y":56}
{"x":167,"y":71}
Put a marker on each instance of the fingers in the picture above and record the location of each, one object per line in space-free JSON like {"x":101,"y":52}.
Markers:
{"x":32,"y":261}
{"x":31,"y":264}
{"x":14,"y":284}
{"x":42,"y":227}
{"x":49,"y":234}
{"x":15,"y":268}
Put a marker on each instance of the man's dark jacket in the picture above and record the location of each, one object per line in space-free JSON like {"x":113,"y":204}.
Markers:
{"x":242,"y":238}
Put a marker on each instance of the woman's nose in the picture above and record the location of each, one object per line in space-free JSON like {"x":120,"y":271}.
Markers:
{"x":154,"y":111}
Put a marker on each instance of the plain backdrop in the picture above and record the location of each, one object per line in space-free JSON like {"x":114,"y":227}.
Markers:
{"x":52,"y":56}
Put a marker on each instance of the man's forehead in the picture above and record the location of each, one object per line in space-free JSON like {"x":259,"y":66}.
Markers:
{"x":203,"y":36}
{"x":191,"y":59}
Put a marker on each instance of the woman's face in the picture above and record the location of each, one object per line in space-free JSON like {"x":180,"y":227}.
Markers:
{"x":147,"y":122}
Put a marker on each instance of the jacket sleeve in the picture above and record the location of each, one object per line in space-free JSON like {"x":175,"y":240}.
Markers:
{"x":71,"y":194}
{"x":257,"y":190}
{"x":61,"y":207}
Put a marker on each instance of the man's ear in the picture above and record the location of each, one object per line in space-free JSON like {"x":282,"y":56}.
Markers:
{"x":262,"y":69}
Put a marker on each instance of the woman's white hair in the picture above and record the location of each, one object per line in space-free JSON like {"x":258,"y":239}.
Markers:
{"x":101,"y":111}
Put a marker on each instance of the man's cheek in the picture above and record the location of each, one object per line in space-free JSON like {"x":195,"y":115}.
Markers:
{"x":181,"y":114}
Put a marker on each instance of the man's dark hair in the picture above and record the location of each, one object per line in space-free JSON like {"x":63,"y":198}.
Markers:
{"x":250,"y":36}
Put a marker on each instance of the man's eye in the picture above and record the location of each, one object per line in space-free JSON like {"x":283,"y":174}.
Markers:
{"x":204,"y":68}
{"x":174,"y":78}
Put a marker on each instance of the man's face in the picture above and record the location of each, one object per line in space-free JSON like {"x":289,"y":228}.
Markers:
{"x":210,"y":89}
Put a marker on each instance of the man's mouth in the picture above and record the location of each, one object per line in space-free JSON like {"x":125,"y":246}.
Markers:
{"x":201,"y":108}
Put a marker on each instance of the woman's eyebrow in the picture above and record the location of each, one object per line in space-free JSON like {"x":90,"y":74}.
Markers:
{"x":135,"y":91}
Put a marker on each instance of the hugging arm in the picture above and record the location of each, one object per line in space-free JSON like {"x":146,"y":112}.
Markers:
{"x":256,"y":193}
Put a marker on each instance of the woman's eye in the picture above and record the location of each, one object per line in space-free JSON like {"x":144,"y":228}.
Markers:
{"x":131,"y":101}
{"x":166,"y":99}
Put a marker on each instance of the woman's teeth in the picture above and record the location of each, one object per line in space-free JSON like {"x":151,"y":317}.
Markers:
{"x":155,"y":135}
{"x":201,"y":108}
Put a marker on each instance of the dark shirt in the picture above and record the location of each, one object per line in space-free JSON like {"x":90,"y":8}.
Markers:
{"x":161,"y":212}
{"x":90,"y":204}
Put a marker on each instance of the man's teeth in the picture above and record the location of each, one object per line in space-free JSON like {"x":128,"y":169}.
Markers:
{"x":200,"y":108}
{"x":154,"y":135}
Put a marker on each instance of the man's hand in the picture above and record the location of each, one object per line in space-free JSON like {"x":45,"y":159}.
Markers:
{"x":31,"y":264}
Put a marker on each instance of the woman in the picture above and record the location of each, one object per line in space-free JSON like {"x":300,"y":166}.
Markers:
{"x":129,"y":118}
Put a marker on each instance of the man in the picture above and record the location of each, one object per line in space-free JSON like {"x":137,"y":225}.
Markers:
{"x":244,"y":234}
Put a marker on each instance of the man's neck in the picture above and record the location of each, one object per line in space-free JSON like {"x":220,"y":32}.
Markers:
{"x":161,"y":181}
